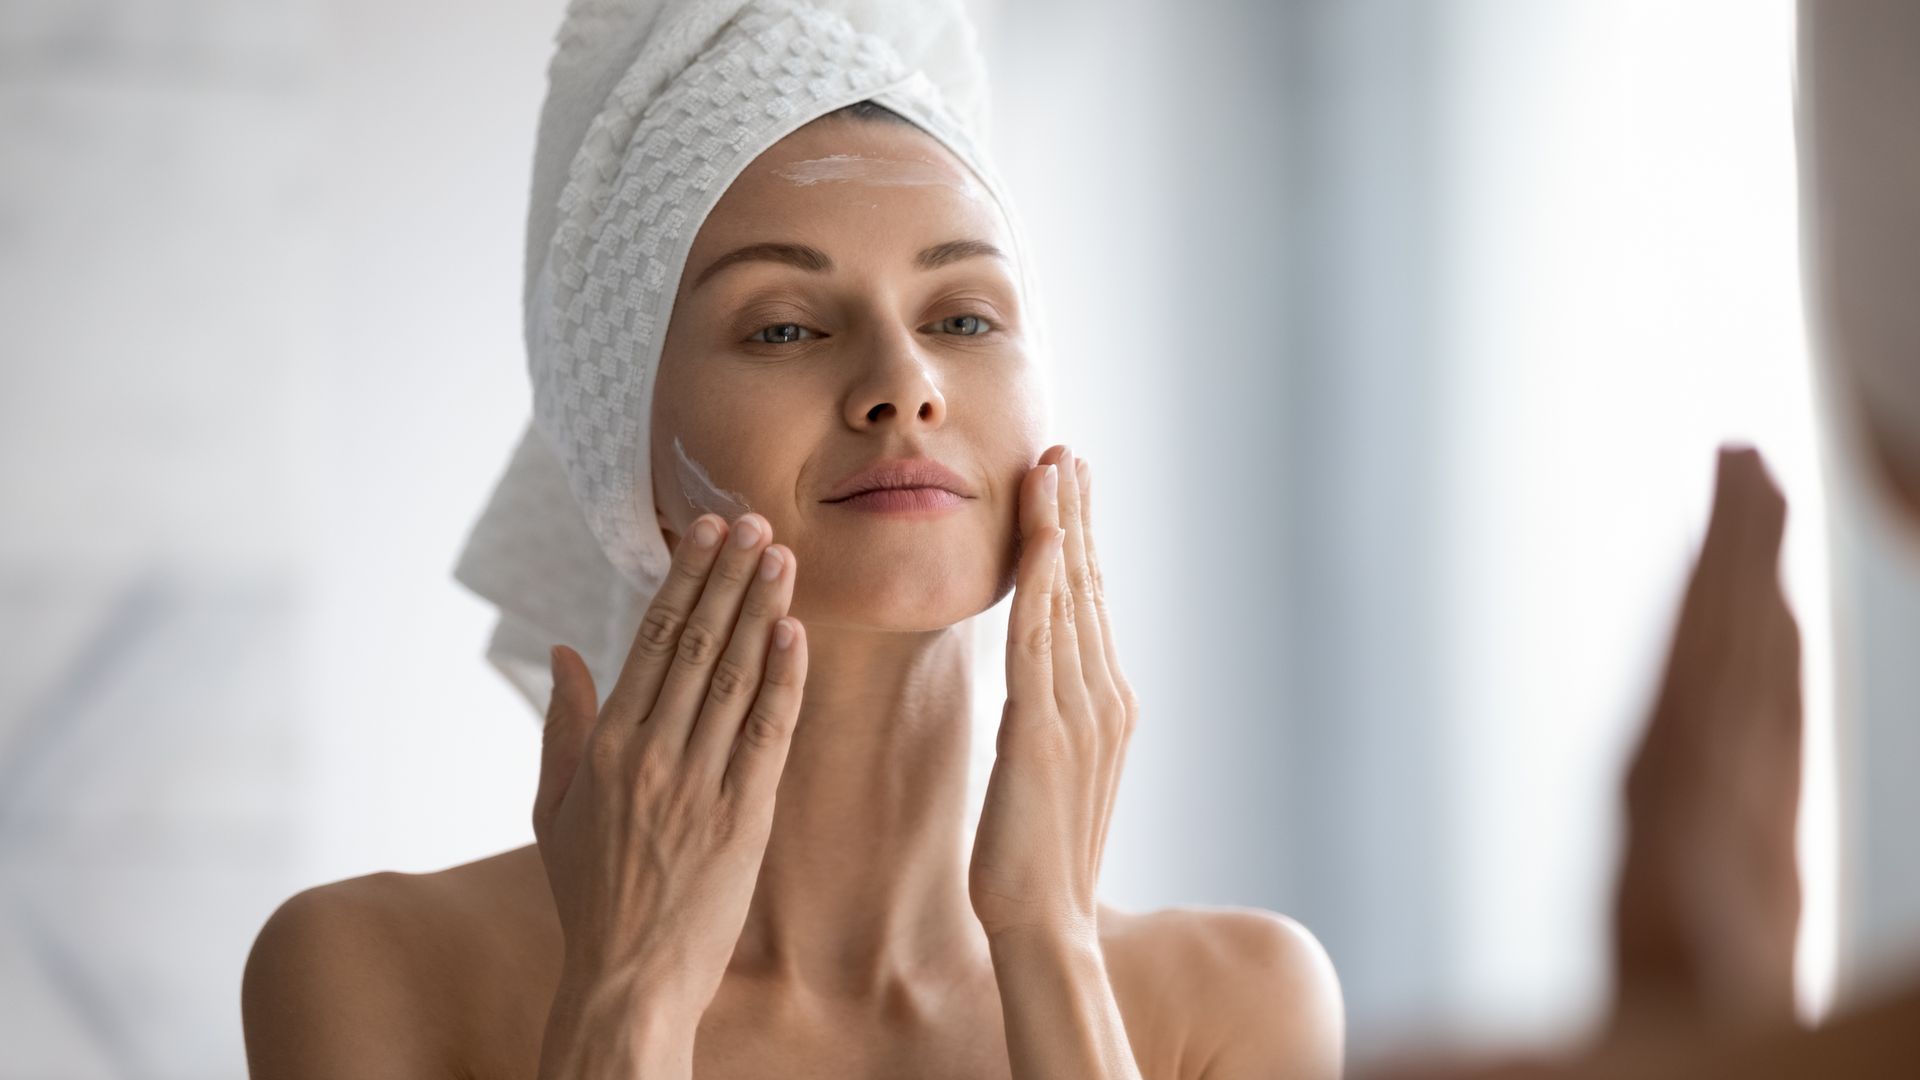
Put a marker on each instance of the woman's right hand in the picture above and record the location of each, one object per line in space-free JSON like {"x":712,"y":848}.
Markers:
{"x":653,"y":813}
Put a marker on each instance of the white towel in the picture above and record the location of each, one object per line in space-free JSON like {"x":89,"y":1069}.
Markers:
{"x":652,"y":109}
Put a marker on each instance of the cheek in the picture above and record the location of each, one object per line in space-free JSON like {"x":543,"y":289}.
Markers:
{"x":1028,"y":436}
{"x":696,"y":483}
{"x":703,"y":458}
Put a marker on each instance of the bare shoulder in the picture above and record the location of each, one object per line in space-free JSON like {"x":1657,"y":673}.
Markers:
{"x":1250,"y":991}
{"x":355,"y":978}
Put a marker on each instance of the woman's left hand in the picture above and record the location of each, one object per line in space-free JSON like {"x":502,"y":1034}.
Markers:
{"x":1065,"y":725}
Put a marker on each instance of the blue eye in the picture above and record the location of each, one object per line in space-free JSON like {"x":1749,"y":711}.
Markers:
{"x":979,"y":325}
{"x":784,"y":334}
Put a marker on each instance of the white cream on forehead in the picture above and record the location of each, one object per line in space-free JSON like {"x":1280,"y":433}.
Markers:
{"x":858,"y":168}
{"x":702,"y":494}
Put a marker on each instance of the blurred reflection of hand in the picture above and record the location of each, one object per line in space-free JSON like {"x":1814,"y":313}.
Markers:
{"x":1708,"y":902}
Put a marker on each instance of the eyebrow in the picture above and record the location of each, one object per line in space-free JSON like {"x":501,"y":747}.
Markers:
{"x":814,"y":260}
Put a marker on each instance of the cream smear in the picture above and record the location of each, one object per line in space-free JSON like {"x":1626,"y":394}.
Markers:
{"x":702,"y":494}
{"x":858,"y":168}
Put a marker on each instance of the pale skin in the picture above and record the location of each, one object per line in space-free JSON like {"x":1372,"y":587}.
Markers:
{"x":767,"y":873}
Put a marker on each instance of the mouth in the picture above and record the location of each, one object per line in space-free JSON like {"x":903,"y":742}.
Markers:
{"x":920,"y":482}
{"x":901,"y":500}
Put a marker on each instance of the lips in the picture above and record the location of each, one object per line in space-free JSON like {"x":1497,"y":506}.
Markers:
{"x":900,"y":473}
{"x":894,"y":500}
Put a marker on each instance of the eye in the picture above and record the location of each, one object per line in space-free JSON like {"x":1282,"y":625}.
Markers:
{"x":782,"y":333}
{"x":966,"y":325}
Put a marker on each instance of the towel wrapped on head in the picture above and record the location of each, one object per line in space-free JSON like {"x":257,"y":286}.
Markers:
{"x":652,"y":110}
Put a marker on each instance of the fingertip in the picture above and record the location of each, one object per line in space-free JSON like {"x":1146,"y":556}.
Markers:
{"x":706,"y":531}
{"x":1734,"y":478}
{"x":797,"y":653}
{"x":1744,"y":462}
{"x":559,"y":665}
{"x":564,"y":701}
{"x":1746,"y":475}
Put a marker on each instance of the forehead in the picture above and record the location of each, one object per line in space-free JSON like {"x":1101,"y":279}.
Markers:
{"x":854,"y":180}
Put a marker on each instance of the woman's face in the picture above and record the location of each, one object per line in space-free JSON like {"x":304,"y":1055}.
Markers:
{"x":876,"y":324}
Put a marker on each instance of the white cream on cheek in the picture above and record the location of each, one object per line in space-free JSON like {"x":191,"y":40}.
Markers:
{"x":702,"y":494}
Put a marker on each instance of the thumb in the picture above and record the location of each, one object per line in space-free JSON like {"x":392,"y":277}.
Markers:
{"x":571,"y":712}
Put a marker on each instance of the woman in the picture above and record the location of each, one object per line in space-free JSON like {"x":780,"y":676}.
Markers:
{"x":851,"y":313}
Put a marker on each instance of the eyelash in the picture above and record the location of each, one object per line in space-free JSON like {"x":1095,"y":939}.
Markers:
{"x":754,"y":338}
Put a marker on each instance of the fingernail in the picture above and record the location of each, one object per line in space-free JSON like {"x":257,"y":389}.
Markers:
{"x":782,"y":634}
{"x":1085,"y":473}
{"x":705,"y":535}
{"x":746,"y":533}
{"x":770,"y":564}
{"x":1053,"y":480}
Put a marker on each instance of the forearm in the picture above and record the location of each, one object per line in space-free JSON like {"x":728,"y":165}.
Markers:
{"x":1060,"y":1012}
{"x":611,"y":1028}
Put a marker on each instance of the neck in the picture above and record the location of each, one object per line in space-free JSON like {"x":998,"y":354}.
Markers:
{"x":865,"y":880}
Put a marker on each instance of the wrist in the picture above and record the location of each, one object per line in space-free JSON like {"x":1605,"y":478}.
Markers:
{"x":660,"y":987}
{"x":1058,"y":1004}
{"x":1065,"y":948}
{"x":1058,"y":935}
{"x":615,"y":1024}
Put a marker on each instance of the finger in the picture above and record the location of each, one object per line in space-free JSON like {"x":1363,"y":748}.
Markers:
{"x":737,"y":676}
{"x":1749,"y":518}
{"x":1069,"y":681}
{"x":1733,"y":582}
{"x":1029,"y":626}
{"x":1071,"y":701}
{"x":658,"y":636}
{"x":753,"y":772}
{"x":1093,"y":565}
{"x":1743,"y":605}
{"x":1093,"y":657}
{"x":1118,"y":766}
{"x":708,"y":631}
{"x":572,"y":710}
{"x":1713,"y":666}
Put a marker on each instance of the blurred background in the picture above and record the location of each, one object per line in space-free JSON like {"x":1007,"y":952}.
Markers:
{"x":1451,"y":299}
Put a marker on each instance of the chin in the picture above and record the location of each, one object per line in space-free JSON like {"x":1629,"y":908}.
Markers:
{"x":900,"y":595}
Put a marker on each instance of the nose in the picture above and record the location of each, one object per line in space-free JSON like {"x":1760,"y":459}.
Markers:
{"x":898,"y":388}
